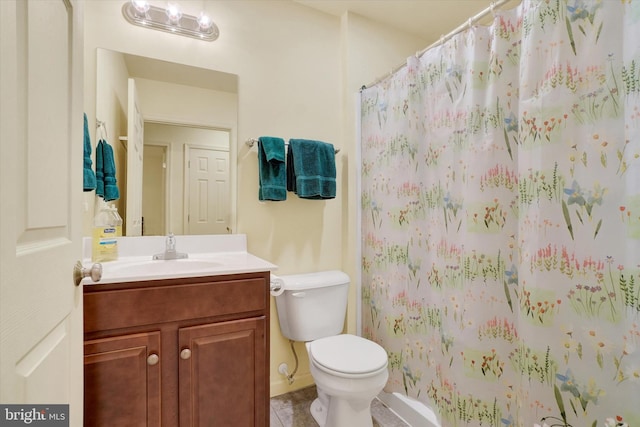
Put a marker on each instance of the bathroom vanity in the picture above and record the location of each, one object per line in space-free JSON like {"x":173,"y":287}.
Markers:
{"x":178,"y":351}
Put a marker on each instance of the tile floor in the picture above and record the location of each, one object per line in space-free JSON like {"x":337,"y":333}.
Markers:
{"x":292,"y":410}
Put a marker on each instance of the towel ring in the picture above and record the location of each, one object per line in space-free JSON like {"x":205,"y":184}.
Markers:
{"x":102,"y":126}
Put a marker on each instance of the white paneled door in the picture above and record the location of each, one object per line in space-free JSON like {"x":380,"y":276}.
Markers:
{"x":208,"y":191}
{"x":41,"y":143}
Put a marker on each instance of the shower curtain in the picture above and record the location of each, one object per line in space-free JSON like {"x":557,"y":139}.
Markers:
{"x":500,"y":194}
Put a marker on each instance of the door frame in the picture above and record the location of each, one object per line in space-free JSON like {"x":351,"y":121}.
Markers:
{"x":167,"y":182}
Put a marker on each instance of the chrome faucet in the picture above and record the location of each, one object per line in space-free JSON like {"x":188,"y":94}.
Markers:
{"x":170,"y":250}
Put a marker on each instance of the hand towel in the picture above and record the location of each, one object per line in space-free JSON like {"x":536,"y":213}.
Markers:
{"x":106,"y":172}
{"x":271,"y":169}
{"x":89,"y":177}
{"x":311,"y":169}
{"x":99,"y":170}
{"x":111,"y":191}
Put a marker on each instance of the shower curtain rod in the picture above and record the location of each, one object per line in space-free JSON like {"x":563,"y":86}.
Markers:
{"x":444,"y":38}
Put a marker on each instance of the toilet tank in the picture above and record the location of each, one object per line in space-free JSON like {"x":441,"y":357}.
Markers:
{"x":313,"y":305}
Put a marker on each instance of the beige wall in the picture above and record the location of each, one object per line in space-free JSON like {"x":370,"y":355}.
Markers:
{"x":299,"y":74}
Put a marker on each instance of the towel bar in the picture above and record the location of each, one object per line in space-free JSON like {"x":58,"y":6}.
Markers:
{"x":253,"y":141}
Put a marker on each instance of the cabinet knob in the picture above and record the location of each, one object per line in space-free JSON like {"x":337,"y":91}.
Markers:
{"x":185,"y":354}
{"x":153,"y":359}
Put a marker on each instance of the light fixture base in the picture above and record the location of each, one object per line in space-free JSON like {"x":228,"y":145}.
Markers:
{"x":156,"y":18}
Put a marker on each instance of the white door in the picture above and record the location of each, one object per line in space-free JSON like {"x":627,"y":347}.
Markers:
{"x":41,"y":143}
{"x":135,"y":144}
{"x":208,"y":191}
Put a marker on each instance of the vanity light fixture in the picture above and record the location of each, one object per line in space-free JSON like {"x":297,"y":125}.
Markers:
{"x":170,"y":19}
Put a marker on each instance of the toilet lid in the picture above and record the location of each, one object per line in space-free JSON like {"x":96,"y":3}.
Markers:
{"x":348,"y":354}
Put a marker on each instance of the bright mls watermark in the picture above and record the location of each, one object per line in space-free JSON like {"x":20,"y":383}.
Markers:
{"x":34,"y":415}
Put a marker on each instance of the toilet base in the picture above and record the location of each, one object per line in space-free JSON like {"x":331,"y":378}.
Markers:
{"x":319,"y":412}
{"x":340,"y":413}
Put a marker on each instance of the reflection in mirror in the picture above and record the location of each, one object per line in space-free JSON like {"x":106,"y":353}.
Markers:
{"x":173,"y":160}
{"x":205,"y":155}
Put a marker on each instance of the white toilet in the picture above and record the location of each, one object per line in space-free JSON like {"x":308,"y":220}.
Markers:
{"x":349,"y":371}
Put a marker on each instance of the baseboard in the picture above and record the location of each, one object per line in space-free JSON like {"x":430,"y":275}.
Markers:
{"x":282,"y":386}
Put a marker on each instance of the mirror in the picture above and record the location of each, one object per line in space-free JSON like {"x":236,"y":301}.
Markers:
{"x":172,"y":128}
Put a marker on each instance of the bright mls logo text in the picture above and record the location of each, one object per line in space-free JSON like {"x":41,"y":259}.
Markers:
{"x":38,"y":415}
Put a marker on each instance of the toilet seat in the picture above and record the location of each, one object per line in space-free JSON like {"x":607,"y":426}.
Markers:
{"x":348,"y":356}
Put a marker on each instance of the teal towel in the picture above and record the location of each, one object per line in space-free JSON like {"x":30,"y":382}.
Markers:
{"x":107,"y":186}
{"x":99,"y":170}
{"x":89,"y":177}
{"x":311,"y":169}
{"x":271,"y":169}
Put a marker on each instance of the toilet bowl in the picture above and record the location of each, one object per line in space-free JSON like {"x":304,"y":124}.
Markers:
{"x":349,"y":372}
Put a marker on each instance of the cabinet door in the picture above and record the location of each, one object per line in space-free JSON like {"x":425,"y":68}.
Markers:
{"x":222,"y":374}
{"x":122,"y":381}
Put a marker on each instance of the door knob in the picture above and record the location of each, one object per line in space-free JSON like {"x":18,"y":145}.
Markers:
{"x":79,"y":273}
{"x":153,"y":359}
{"x":185,"y":354}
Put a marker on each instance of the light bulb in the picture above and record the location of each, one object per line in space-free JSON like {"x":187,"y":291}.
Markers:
{"x":173,"y":13}
{"x":141,"y":6}
{"x":204,"y":21}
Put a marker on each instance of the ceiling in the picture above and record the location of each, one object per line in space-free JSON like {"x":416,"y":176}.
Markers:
{"x":428,"y":19}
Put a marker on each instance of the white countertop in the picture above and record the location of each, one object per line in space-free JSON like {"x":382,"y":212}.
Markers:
{"x":208,"y":255}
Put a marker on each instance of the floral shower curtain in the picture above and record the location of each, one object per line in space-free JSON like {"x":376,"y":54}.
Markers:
{"x":501,"y":219}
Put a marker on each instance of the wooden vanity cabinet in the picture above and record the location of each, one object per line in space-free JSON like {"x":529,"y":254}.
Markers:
{"x":178,"y":352}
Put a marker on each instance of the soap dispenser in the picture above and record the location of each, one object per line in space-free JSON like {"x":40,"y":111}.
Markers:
{"x":117,"y":220}
{"x":105,"y":238}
